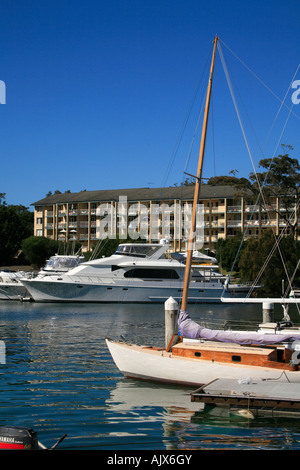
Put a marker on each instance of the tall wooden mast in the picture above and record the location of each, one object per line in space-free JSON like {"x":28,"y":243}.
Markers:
{"x":197,"y":185}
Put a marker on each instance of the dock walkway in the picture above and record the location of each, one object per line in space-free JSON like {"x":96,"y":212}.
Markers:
{"x":266,"y":394}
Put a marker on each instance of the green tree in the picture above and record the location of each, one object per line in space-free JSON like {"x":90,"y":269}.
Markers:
{"x":239,"y":183}
{"x":229,"y":251}
{"x":16,"y":223}
{"x":281,"y":179}
{"x":262,"y":261}
{"x":38,"y":249}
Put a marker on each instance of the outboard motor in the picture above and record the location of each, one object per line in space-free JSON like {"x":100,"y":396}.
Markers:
{"x":12,"y":437}
{"x":16,"y":438}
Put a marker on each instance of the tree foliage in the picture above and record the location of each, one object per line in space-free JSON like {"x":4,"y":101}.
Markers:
{"x":238,"y":183}
{"x":228,"y":252}
{"x":281,"y":179}
{"x":274,"y":258}
{"x":16,"y":223}
{"x":38,"y":249}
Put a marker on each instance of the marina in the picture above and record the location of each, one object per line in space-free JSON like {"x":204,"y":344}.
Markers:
{"x":150,"y":344}
{"x":199,"y":355}
{"x":59,"y":378}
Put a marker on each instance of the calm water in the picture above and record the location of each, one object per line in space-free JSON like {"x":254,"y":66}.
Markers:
{"x":59,"y":378}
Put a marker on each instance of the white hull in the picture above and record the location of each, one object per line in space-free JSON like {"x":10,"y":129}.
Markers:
{"x":12,"y":291}
{"x":82,"y":290}
{"x":135,"y":273}
{"x":160,"y":366}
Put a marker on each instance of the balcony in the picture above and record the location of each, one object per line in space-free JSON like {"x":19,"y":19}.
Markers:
{"x":251,"y":208}
{"x":218,"y":209}
{"x":234,"y":209}
{"x":269,"y":223}
{"x":234,"y":223}
{"x":215,"y":223}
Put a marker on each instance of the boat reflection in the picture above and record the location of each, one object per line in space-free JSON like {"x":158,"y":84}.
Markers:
{"x":131,"y":395}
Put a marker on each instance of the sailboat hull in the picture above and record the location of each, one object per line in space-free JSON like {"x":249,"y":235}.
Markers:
{"x":155,"y":364}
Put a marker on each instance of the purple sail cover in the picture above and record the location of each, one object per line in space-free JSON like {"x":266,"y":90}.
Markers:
{"x":190,"y":329}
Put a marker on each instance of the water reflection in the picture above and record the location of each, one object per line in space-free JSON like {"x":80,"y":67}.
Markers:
{"x":188,"y":425}
{"x":59,"y":377}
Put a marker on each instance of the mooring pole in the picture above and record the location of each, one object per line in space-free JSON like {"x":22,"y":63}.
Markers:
{"x":171,"y":320}
{"x":268,"y":312}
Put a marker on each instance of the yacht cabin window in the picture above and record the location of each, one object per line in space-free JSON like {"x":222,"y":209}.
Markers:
{"x":141,"y":251}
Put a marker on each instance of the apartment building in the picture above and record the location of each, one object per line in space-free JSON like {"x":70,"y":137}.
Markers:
{"x":152,"y":214}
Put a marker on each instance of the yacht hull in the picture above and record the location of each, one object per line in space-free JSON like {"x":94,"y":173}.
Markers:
{"x":45,"y":290}
{"x":157,"y":365}
{"x":12,"y":291}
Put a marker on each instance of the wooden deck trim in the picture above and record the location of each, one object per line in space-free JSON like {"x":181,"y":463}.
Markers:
{"x":278,"y":358}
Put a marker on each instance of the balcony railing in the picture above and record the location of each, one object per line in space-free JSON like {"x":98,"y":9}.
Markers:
{"x":234,"y":223}
{"x":234,"y":209}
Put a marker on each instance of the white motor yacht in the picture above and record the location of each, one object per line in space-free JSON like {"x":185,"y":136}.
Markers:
{"x":136,"y":272}
{"x":10,"y":286}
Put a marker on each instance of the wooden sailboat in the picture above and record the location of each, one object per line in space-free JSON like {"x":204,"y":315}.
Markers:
{"x":206,"y":354}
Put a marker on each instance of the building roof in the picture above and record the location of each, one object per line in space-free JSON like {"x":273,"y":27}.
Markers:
{"x":139,"y":194}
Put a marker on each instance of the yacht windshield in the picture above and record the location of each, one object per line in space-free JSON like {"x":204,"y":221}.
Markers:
{"x":56,"y":262}
{"x":141,"y":251}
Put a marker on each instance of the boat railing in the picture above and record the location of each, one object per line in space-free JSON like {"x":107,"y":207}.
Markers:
{"x":228,"y":325}
{"x":87,"y":279}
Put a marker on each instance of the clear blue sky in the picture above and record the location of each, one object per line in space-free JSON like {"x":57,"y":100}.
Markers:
{"x":97,"y":91}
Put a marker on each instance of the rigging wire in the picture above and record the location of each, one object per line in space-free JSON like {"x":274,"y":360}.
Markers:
{"x":277,"y":240}
{"x":251,"y":158}
{"x":194,"y":136}
{"x":259,"y":79}
{"x":188,"y":114}
{"x":272,"y":252}
{"x":280,"y":107}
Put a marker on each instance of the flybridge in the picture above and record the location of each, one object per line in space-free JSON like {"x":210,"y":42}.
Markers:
{"x":139,"y":250}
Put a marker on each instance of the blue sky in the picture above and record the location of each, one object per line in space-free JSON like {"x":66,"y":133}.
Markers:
{"x":97,"y":92}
